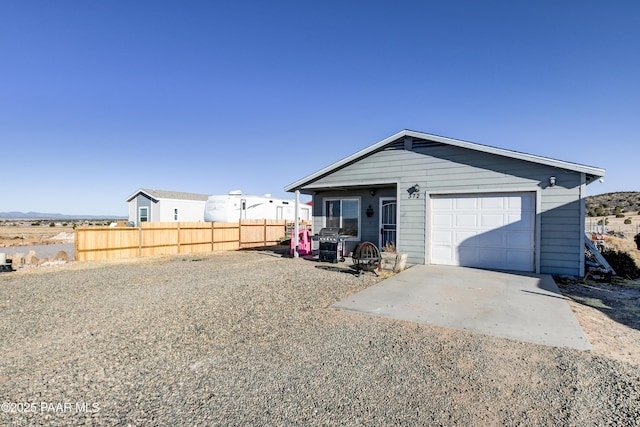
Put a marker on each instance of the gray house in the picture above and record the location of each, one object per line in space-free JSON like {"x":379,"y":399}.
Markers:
{"x":148,"y":205}
{"x":446,"y":201}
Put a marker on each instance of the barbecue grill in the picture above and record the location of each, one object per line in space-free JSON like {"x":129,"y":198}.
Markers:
{"x":331,"y":244}
{"x":5,"y":264}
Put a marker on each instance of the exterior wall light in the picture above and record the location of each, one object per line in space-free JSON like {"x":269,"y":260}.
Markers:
{"x":413,"y":189}
{"x":369,"y":211}
{"x":552,"y":181}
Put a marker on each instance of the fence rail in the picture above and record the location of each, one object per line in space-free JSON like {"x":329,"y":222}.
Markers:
{"x":168,"y":238}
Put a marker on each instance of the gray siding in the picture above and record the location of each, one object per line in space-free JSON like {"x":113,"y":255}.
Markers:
{"x":442,"y":169}
{"x":142,"y":201}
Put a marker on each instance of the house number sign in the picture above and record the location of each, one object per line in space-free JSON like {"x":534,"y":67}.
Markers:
{"x":414,"y":192}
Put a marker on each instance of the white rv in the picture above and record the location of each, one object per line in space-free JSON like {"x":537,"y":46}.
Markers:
{"x":235,"y":206}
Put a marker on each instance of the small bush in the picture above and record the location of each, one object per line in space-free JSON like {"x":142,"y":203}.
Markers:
{"x":51,"y":224}
{"x":627,"y":221}
{"x":622,"y":263}
{"x":619,"y":215}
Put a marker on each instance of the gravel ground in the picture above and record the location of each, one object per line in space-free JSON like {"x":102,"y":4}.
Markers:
{"x":248,"y":338}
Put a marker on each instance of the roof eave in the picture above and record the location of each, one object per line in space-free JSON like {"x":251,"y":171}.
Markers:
{"x":588,"y":170}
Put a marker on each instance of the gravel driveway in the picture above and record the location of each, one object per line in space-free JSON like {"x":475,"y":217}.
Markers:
{"x":248,"y":338}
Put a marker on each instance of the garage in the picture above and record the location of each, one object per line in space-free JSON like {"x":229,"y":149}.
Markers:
{"x":494,"y":231}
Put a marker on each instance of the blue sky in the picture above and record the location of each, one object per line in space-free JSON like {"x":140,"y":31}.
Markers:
{"x":100,"y":98}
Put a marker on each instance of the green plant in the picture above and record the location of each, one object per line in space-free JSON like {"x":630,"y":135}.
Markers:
{"x":627,"y":221}
{"x":622,"y":263}
{"x":52,"y":224}
{"x":620,"y":215}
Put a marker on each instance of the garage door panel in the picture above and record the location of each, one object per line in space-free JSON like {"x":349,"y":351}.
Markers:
{"x":467,"y":256}
{"x":491,"y":240}
{"x":466,"y":203}
{"x":484,"y":230}
{"x":492,"y":259}
{"x":442,"y":204}
{"x":443,"y":255}
{"x":466,"y":238}
{"x":519,"y":240}
{"x":442,"y":220}
{"x":442,"y":237}
{"x":492,"y":220}
{"x":492,"y":203}
{"x":462,"y":220}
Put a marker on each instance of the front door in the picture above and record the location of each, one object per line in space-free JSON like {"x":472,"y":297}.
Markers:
{"x":388,"y":221}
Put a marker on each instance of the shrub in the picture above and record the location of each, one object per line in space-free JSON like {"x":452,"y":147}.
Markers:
{"x":619,"y":215}
{"x":627,"y":221}
{"x":51,"y":224}
{"x":622,"y":263}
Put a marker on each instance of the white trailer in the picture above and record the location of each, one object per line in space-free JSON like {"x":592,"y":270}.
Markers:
{"x":235,"y":206}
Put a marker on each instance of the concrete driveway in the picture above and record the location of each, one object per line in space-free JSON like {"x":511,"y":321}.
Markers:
{"x":519,"y":306}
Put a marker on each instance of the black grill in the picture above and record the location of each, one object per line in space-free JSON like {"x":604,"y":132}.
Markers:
{"x":331,"y":244}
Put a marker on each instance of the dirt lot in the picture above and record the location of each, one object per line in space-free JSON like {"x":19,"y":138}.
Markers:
{"x":250,"y":338}
{"x":609,"y":314}
{"x":24,"y":234}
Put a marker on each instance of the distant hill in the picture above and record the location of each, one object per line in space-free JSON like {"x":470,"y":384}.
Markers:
{"x":40,"y":215}
{"x":613,"y":203}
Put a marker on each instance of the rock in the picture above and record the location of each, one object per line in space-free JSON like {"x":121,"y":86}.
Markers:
{"x":31,"y":258}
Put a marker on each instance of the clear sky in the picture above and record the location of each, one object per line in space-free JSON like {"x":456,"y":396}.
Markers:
{"x":100,"y":98}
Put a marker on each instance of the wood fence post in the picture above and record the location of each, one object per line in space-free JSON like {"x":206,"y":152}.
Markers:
{"x":212,"y":235}
{"x":265,"y":232}
{"x":140,"y":240}
{"x":178,"y":231}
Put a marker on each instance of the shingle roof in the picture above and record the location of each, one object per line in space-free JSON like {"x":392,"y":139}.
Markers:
{"x":165,"y":194}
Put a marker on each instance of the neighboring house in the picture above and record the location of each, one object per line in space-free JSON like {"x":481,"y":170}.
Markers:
{"x":446,"y":201}
{"x":147,"y":205}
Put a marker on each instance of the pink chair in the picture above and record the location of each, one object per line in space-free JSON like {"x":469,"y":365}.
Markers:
{"x":304,"y":241}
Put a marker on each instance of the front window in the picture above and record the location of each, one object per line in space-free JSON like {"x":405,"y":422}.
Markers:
{"x":144,"y":214}
{"x":343,"y":213}
{"x":175,"y":214}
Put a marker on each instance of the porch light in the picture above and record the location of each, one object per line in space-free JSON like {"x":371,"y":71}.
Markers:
{"x":413,"y":189}
{"x":369,"y":211}
{"x":552,"y":181}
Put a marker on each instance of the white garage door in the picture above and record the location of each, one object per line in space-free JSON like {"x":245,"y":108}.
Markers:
{"x":487,"y":231}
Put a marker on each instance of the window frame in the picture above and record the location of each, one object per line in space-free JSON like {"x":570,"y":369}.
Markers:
{"x":357,"y":199}
{"x":147,"y":216}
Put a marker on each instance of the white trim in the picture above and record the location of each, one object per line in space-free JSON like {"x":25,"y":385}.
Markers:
{"x":485,"y":190}
{"x":148,"y":208}
{"x":538,"y":231}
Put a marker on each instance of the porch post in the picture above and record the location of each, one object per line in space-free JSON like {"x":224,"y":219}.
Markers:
{"x":295,"y":225}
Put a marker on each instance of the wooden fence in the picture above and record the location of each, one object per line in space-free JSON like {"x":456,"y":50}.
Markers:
{"x":167,"y":238}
